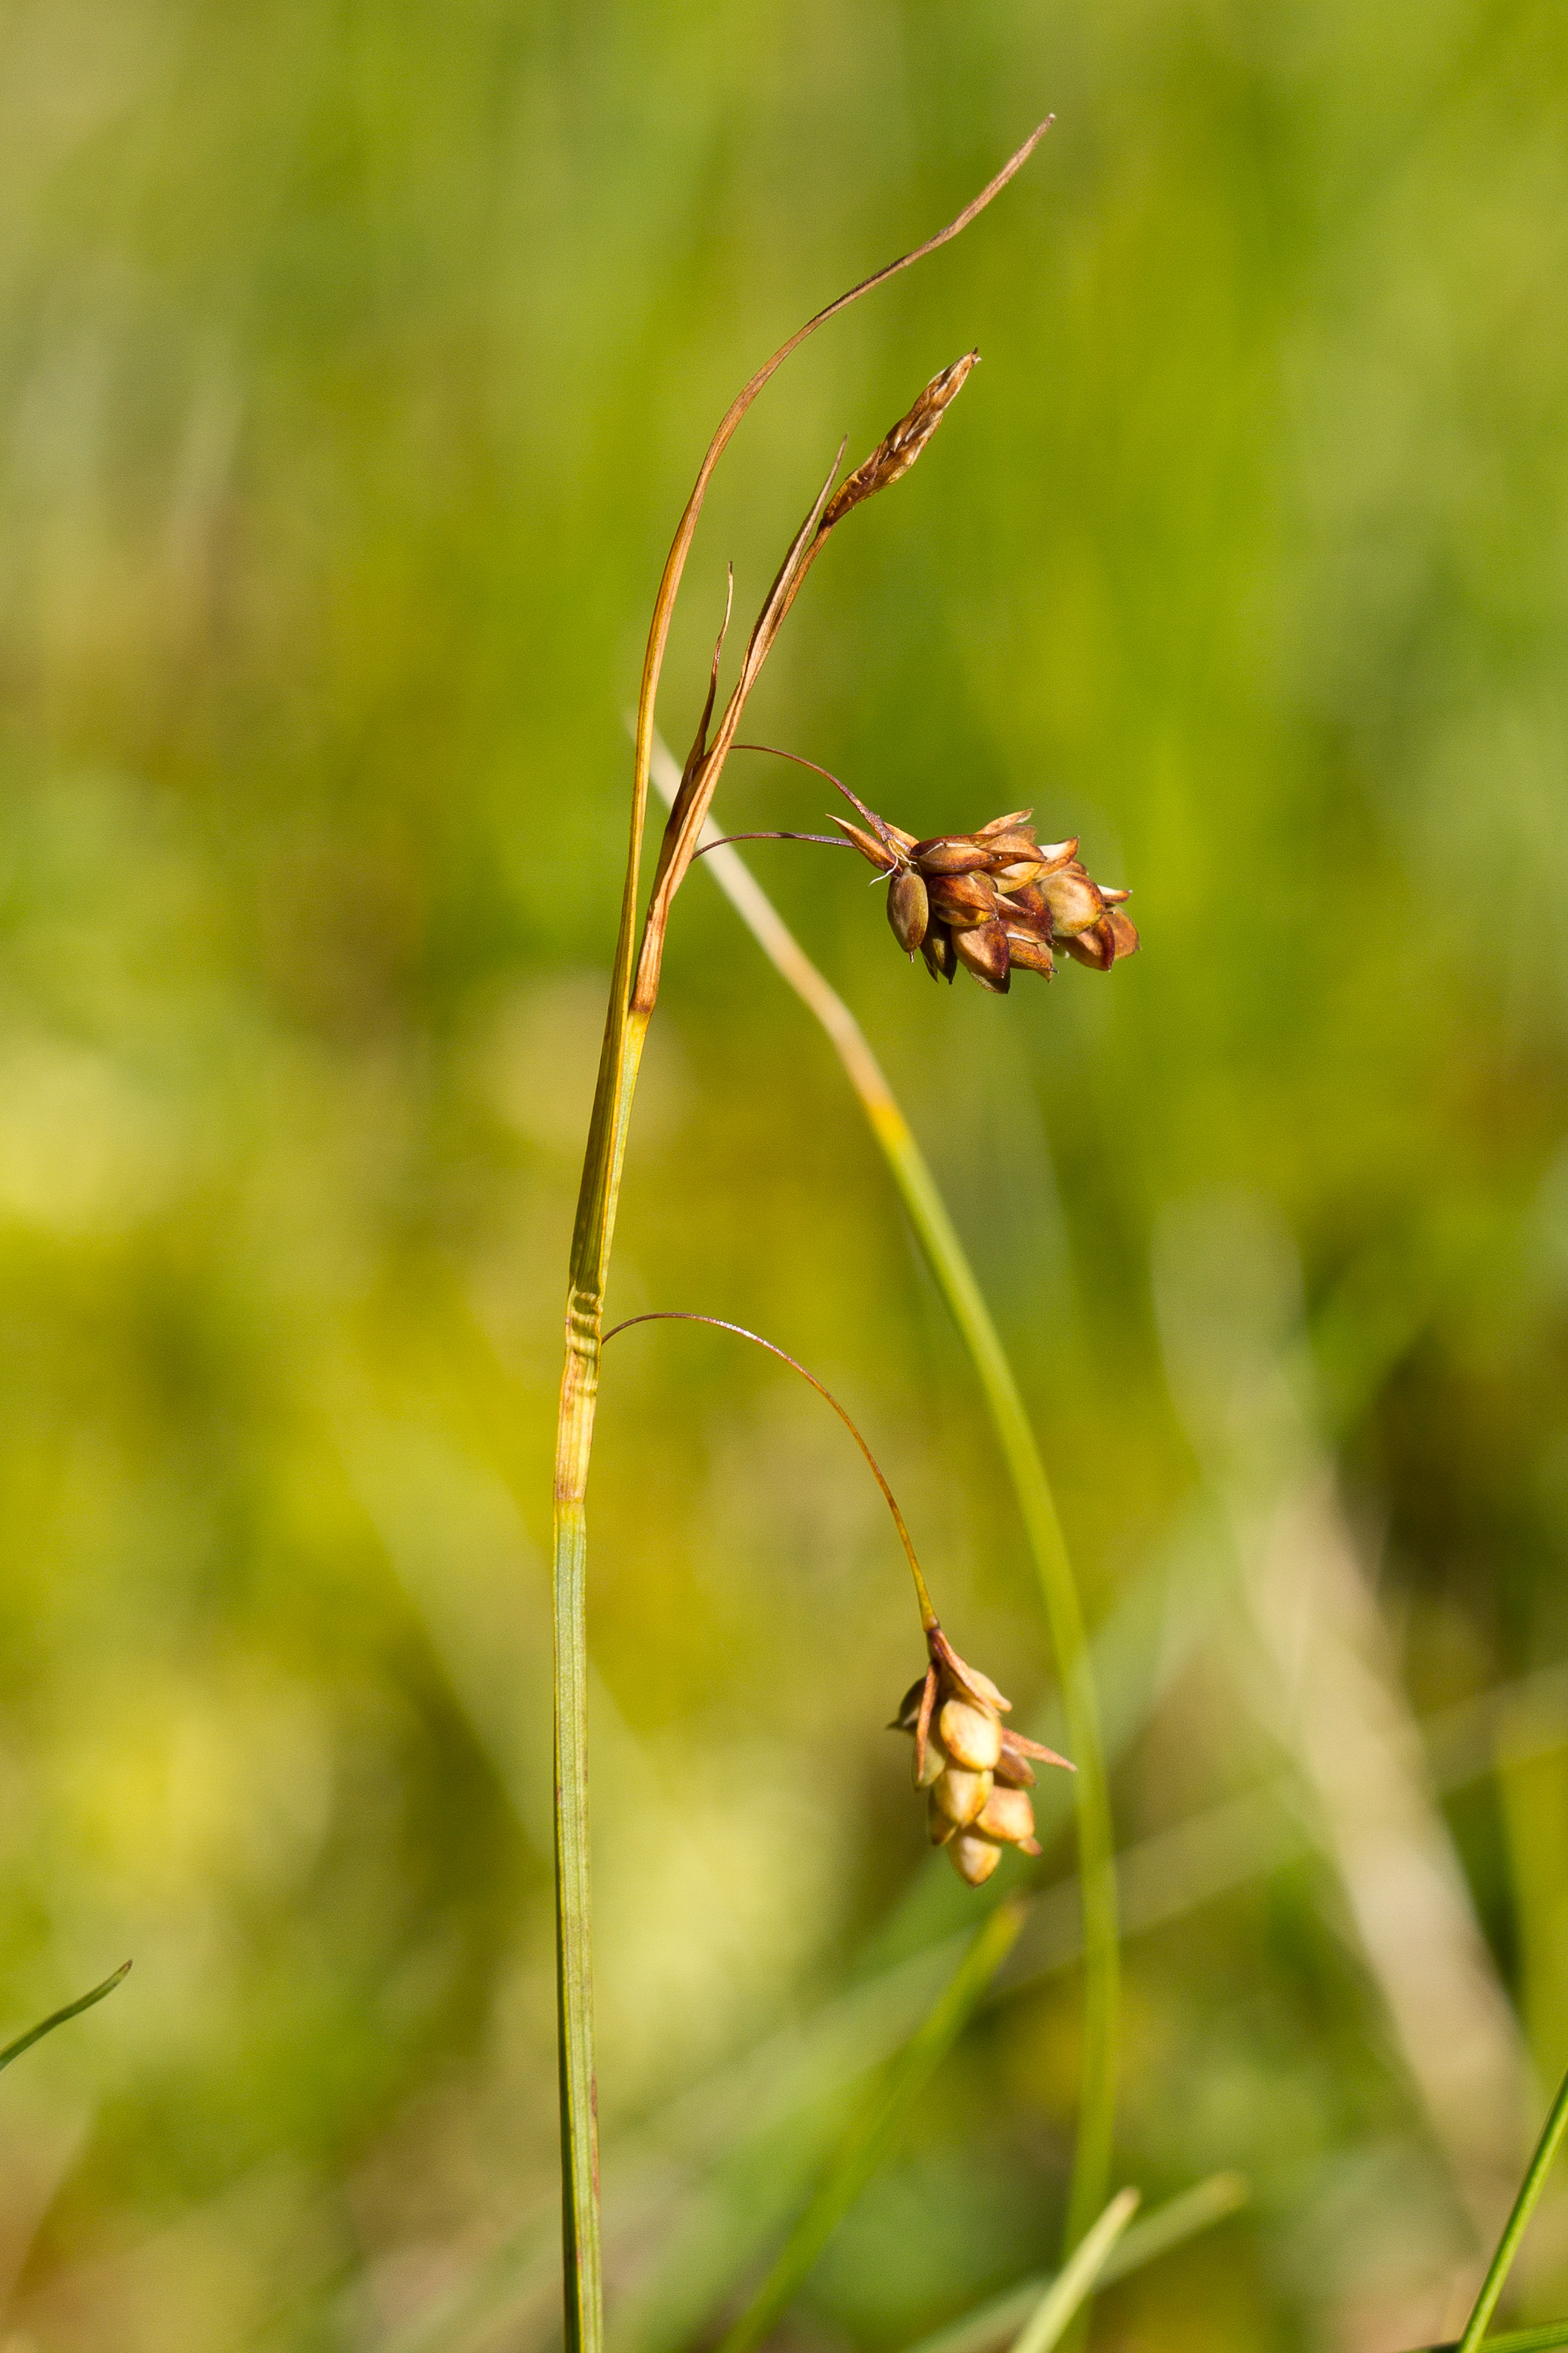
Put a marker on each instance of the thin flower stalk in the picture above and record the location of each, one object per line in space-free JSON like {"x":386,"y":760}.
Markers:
{"x":633,"y":994}
{"x":976,"y":1772}
{"x":949,"y":1262}
{"x":719,"y":1323}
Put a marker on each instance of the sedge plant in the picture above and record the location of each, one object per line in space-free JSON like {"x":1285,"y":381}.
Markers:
{"x":990,"y":902}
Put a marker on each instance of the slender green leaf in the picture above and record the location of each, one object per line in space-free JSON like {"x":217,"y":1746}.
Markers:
{"x":870,"y":2133}
{"x":1498,"y":2270}
{"x":58,"y":2017}
{"x":994,"y":2323}
{"x":1059,"y":2305}
{"x":1542,"y":2339}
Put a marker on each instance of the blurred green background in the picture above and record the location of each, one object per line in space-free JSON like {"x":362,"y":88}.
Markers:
{"x":355,"y":360}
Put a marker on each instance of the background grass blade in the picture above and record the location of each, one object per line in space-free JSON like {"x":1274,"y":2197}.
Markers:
{"x":1524,"y":2206}
{"x":1541,"y":2339}
{"x":1066,"y":2292}
{"x":772,"y":2112}
{"x":998,"y":2321}
{"x":949,"y":1262}
{"x":58,"y":2017}
{"x":866,"y":2143}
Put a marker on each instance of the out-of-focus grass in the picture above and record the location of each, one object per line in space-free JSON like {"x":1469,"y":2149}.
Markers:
{"x":354,"y":364}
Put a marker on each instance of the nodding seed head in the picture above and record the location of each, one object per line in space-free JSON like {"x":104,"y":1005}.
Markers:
{"x":996,"y":901}
{"x":976,"y":1773}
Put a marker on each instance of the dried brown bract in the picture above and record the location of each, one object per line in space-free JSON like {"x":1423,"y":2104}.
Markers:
{"x":996,"y":901}
{"x":976,"y":1773}
{"x":897,"y":451}
{"x":889,"y":461}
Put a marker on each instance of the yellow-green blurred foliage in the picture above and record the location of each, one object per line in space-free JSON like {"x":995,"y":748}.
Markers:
{"x":355,"y":361}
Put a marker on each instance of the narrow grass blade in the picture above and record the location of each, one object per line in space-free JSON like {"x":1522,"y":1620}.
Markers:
{"x":1060,"y":2302}
{"x":866,"y":2143}
{"x":1501,"y":2264}
{"x":949,"y":1262}
{"x":999,"y":2321}
{"x":688,"y":2173}
{"x":1543,"y":2339}
{"x":58,"y":2017}
{"x":1172,"y":2225}
{"x":1163,"y":1878}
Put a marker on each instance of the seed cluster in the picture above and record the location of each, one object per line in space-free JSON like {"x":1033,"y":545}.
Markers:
{"x":974,"y":1770}
{"x":996,"y":901}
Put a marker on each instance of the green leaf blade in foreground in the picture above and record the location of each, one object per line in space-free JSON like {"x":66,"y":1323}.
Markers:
{"x":870,"y":2133}
{"x":999,"y":2320}
{"x":1514,"y":2229}
{"x":58,"y":2017}
{"x":1059,"y":2306}
{"x":1543,"y":2339}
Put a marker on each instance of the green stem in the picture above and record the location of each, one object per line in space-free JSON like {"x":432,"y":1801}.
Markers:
{"x":1523,"y":2208}
{"x":581,"y":2248}
{"x":949,"y":1262}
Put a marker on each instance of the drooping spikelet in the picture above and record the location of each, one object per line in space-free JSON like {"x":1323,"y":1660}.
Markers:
{"x":996,"y":901}
{"x":976,"y":1772}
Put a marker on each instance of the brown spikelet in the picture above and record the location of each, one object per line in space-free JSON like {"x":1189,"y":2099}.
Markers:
{"x":897,"y":451}
{"x":976,"y":1774}
{"x":995,"y":901}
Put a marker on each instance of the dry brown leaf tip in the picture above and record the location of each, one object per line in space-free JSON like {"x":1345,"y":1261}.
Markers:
{"x":996,"y":901}
{"x":975,"y":1772}
{"x":897,"y":449}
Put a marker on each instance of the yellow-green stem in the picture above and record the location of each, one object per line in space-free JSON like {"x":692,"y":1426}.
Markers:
{"x":1524,"y":2205}
{"x":584,"y":2314}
